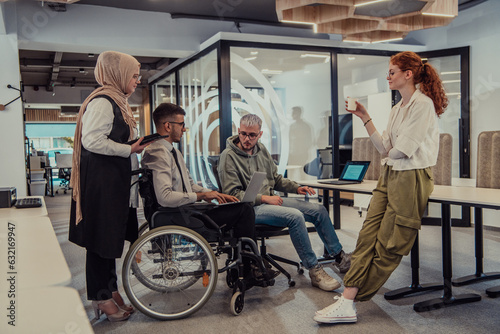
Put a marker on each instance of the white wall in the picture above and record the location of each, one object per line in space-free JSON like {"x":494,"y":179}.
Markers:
{"x":12,"y":166}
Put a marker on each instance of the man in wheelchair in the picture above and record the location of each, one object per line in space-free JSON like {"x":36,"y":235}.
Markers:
{"x":177,"y":194}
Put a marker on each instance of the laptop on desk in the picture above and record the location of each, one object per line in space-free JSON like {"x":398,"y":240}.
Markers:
{"x":354,"y":172}
{"x":253,"y":188}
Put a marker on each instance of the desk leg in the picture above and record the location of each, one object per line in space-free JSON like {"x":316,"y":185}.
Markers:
{"x":415,"y":286}
{"x":478,"y":236}
{"x":447,"y":299}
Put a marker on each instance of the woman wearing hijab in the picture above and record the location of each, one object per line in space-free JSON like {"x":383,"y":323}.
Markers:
{"x":103,"y":208}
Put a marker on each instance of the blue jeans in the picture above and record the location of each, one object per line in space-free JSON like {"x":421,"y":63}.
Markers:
{"x":293,"y":214}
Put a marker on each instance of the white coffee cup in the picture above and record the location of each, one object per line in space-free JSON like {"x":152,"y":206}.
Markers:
{"x":351,"y":103}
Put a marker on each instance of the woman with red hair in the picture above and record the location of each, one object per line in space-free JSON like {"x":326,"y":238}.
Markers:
{"x":409,"y":147}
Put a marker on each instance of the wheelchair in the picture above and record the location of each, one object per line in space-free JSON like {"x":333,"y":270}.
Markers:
{"x":171,"y":271}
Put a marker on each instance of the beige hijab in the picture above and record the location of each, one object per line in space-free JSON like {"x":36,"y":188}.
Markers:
{"x":113,"y":72}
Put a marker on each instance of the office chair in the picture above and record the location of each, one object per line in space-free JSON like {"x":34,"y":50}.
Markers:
{"x":64,"y":163}
{"x":488,"y":176}
{"x":264,"y":232}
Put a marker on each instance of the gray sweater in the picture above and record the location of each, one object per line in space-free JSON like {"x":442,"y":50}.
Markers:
{"x":236,"y":168}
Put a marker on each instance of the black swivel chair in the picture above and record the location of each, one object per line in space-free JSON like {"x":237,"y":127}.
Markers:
{"x":264,"y":232}
{"x":63,"y":162}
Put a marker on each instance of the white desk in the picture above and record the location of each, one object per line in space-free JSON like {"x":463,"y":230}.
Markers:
{"x":45,"y":310}
{"x":479,"y":198}
{"x":13,"y":212}
{"x":38,"y":260}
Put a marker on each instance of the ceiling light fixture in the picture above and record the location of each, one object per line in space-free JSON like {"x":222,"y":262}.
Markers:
{"x":267,"y":71}
{"x":438,"y":14}
{"x":388,"y":40}
{"x":451,"y":72}
{"x":314,"y":25}
{"x":368,"y":3}
{"x":354,"y":41}
{"x":450,"y":81}
{"x":250,"y":58}
{"x":313,"y":55}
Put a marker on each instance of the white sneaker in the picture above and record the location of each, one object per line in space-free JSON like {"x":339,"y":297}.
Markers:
{"x":320,"y":279}
{"x":342,"y":310}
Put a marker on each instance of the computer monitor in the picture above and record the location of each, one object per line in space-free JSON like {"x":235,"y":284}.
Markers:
{"x":345,"y":129}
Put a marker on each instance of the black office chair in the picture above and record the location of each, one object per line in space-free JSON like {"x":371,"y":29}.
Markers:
{"x":63,"y":162}
{"x":171,"y":271}
{"x":264,"y":232}
{"x":64,"y":175}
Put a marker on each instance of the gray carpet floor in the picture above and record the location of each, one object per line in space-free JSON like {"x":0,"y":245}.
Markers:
{"x":283,"y":309}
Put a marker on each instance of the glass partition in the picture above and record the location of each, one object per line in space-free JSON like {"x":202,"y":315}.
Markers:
{"x":449,"y":71}
{"x":198,"y":95}
{"x":165,"y":91}
{"x":290,"y":91}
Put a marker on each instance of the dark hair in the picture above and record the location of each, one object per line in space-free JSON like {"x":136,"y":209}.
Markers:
{"x":165,"y":111}
{"x":425,"y":75}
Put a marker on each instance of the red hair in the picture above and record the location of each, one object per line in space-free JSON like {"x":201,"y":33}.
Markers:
{"x":425,"y":75}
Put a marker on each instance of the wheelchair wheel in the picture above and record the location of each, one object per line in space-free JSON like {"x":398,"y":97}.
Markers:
{"x":169,"y":273}
{"x":143,"y":228}
{"x":237,"y":303}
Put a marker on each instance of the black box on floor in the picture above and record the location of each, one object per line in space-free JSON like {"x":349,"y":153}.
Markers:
{"x":7,"y":197}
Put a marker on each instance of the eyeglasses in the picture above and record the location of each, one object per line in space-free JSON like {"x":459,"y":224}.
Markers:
{"x":390,"y":74}
{"x":182,"y":124}
{"x":251,"y":135}
{"x":137,"y":78}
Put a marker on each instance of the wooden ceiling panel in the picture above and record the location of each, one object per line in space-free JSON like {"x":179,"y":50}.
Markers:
{"x":393,"y":19}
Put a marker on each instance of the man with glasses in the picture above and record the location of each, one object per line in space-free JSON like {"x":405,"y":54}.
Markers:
{"x":244,"y":155}
{"x":174,"y":187}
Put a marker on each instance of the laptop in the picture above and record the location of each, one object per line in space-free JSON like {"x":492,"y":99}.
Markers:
{"x":354,"y":172}
{"x":253,"y":188}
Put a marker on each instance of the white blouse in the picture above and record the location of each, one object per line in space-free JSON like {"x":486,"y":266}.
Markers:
{"x":412,"y":130}
{"x":97,"y":123}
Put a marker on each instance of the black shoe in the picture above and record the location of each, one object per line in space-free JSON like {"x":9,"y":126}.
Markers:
{"x":259,"y":275}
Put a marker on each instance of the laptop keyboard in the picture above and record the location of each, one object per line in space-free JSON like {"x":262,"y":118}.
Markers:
{"x":28,"y":203}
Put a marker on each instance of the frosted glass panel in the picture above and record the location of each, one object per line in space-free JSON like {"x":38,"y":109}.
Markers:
{"x":290,"y":91}
{"x":199,"y":96}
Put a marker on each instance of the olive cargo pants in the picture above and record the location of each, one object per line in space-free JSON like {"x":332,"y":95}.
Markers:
{"x":390,"y":228}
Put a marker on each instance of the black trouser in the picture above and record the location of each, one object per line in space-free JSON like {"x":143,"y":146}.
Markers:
{"x":101,"y":277}
{"x":240,"y":217}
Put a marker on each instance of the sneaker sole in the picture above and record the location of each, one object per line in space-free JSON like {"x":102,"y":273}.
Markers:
{"x":328,"y":320}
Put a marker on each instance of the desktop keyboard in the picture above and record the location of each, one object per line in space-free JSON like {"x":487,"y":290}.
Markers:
{"x":28,"y":203}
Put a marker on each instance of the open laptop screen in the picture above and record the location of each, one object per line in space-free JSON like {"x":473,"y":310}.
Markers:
{"x":354,"y":170}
